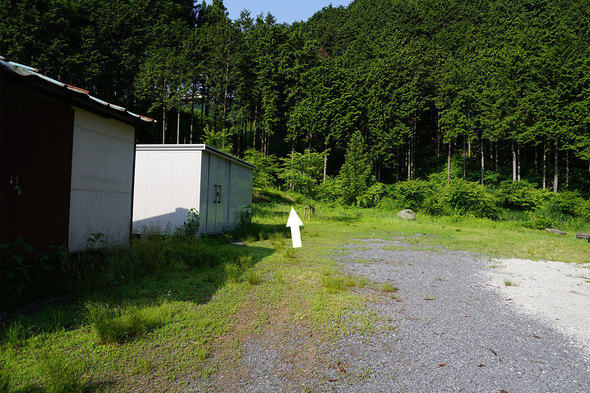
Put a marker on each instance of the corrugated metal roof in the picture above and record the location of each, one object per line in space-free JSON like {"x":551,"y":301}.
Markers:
{"x":25,"y":71}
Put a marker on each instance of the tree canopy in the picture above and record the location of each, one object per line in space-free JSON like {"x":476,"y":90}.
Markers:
{"x":504,"y":84}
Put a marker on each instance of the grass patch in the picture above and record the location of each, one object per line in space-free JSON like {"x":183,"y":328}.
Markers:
{"x":254,"y":277}
{"x":171,"y":308}
{"x":388,"y":288}
{"x":62,"y":374}
{"x":113,"y":324}
{"x":509,"y":283}
{"x":15,"y":334}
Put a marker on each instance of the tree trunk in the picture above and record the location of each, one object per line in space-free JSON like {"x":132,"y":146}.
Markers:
{"x":202,"y":118}
{"x":449,"y":164}
{"x":496,"y":156}
{"x":409,"y":157}
{"x":469,"y":149}
{"x":513,"y":162}
{"x":414,"y":149}
{"x":536,"y":167}
{"x":163,"y":123}
{"x":518,"y":161}
{"x":567,"y":169}
{"x":544,"y":163}
{"x":464,"y":159}
{"x":483,"y":166}
{"x":556,"y":169}
{"x":254,"y":127}
{"x":190,"y":137}
{"x":438,"y":134}
{"x":178,"y":125}
{"x":325,"y":166}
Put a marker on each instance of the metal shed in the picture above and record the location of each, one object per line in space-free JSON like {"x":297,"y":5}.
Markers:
{"x":172,"y":179}
{"x":66,"y":163}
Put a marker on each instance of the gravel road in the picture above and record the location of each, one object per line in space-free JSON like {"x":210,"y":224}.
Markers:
{"x":452,"y":328}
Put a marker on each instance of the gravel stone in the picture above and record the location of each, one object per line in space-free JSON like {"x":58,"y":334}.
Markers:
{"x":468,"y":338}
{"x":450,"y":330}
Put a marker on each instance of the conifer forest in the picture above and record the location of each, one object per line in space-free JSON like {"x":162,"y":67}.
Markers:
{"x":363,"y":97}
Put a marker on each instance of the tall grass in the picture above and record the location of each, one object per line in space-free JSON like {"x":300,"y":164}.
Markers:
{"x":116,"y":324}
{"x":61,"y":374}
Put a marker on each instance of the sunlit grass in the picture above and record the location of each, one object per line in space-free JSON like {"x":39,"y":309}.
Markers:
{"x":199,"y":301}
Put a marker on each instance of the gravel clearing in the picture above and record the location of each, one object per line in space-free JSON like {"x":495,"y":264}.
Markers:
{"x":556,"y":293}
{"x":457,"y":331}
{"x":452,"y":326}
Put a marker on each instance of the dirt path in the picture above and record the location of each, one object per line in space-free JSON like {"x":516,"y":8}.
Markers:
{"x":453,"y":326}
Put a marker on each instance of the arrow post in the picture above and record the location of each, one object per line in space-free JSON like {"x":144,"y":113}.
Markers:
{"x":294,"y":222}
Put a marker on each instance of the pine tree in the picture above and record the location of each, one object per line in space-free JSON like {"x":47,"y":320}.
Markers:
{"x":355,"y":174}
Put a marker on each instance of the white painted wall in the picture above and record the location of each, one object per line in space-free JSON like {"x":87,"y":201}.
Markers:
{"x":102,"y":179}
{"x":167,"y":186}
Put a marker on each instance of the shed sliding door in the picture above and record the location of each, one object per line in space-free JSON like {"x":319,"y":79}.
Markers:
{"x":217,"y":194}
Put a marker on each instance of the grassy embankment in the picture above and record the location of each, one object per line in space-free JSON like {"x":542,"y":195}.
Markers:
{"x":185,"y":317}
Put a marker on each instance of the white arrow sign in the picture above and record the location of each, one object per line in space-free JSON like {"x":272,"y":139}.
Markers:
{"x":294,"y":222}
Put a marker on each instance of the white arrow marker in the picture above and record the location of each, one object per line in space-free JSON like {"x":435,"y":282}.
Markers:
{"x":294,"y":222}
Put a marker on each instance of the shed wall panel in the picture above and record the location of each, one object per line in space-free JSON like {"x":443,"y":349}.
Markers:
{"x":101,"y":180}
{"x":167,"y":186}
{"x":240,"y":192}
{"x":103,"y":213}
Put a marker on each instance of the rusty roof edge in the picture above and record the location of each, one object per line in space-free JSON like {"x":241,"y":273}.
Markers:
{"x":24,"y":70}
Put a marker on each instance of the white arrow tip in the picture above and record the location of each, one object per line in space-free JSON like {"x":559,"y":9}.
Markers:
{"x":294,"y":220}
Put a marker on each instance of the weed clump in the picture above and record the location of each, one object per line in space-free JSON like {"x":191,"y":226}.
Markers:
{"x":254,"y":277}
{"x":15,"y":334}
{"x":334,"y":284}
{"x":118,"y":324}
{"x":61,"y":374}
{"x":387,"y":287}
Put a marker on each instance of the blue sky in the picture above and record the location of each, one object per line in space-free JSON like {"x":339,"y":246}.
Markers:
{"x":284,"y":10}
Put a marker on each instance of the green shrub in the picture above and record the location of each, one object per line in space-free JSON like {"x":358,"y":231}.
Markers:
{"x":411,"y":194}
{"x":583,"y":210}
{"x":190,"y":226}
{"x":462,"y":197}
{"x":329,"y":191}
{"x":267,"y":168}
{"x":389,"y":204}
{"x":539,"y":223}
{"x":439,"y":179}
{"x":565,"y":202}
{"x":371,"y":196}
{"x":522,"y":195}
{"x":61,"y":374}
{"x":118,"y":324}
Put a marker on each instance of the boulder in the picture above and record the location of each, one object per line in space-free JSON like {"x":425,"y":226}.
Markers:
{"x":553,"y":230}
{"x":583,"y":236}
{"x":407,"y":214}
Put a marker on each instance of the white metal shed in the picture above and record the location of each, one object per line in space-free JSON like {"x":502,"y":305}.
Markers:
{"x":172,"y":179}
